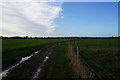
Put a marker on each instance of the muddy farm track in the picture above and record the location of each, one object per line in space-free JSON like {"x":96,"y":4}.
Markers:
{"x":34,"y":67}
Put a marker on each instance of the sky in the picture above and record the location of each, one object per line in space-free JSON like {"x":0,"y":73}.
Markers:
{"x":88,"y":19}
{"x":59,"y":19}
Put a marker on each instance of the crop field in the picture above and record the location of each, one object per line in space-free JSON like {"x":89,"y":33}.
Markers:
{"x":98,"y":58}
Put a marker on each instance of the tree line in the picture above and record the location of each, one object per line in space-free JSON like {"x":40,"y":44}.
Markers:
{"x":27,"y":37}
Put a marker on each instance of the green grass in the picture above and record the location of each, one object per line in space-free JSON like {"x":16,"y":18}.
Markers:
{"x":94,"y":53}
{"x":14,"y":49}
{"x":9,"y":44}
{"x":102,"y":55}
{"x":97,"y":42}
{"x":59,"y":66}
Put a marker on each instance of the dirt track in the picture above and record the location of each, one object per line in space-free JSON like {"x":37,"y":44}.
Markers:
{"x":33,"y":68}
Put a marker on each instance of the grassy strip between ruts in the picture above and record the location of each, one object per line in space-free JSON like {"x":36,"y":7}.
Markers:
{"x":59,"y":66}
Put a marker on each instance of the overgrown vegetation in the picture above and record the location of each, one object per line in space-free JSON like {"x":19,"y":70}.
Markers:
{"x":101,"y":55}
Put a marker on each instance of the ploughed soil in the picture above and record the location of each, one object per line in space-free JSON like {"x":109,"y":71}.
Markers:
{"x":28,"y":69}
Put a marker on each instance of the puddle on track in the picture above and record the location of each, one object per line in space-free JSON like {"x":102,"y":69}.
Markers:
{"x":36,"y":74}
{"x":6,"y":72}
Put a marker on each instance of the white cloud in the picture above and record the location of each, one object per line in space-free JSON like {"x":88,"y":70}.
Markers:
{"x":60,"y":1}
{"x":29,"y":18}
